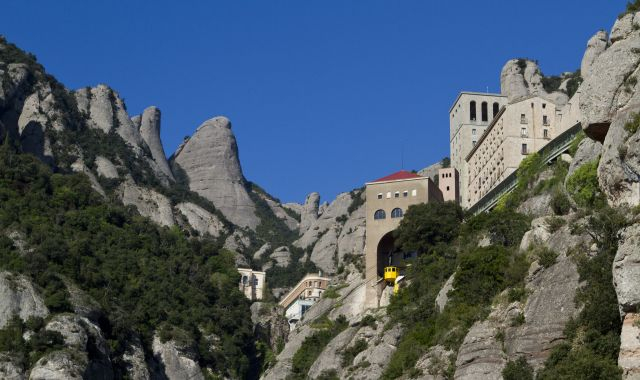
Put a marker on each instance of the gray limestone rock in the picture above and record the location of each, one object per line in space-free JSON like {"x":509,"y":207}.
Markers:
{"x":269,"y":324}
{"x":324,"y":253}
{"x":443,"y":295}
{"x":150,"y":132}
{"x":101,"y":108}
{"x":10,"y":368}
{"x":619,"y":167}
{"x":588,"y":150}
{"x":596,"y":45}
{"x":148,"y":202}
{"x":520,"y":78}
{"x":178,"y":362}
{"x":352,"y":301}
{"x":283,"y":365}
{"x":381,"y":346}
{"x":19,"y":297}
{"x":538,"y":234}
{"x":626,"y":269}
{"x":83,"y":304}
{"x":60,"y":365}
{"x":210,"y":160}
{"x":434,"y":363}
{"x":309,"y":212}
{"x":281,"y":256}
{"x":135,"y":362}
{"x":13,"y":81}
{"x":324,"y":220}
{"x":330,"y":358}
{"x":608,"y":88}
{"x":537,"y":205}
{"x":431,"y":171}
{"x":201,"y":220}
{"x":237,"y":241}
{"x":280,"y":213}
{"x":352,"y":235}
{"x":266,"y":247}
{"x":80,"y":167}
{"x":629,"y":356}
{"x":106,"y":168}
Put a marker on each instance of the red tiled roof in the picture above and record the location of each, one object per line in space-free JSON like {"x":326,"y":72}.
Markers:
{"x":402,"y":174}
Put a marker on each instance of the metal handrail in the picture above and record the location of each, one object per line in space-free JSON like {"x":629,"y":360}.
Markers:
{"x":548,"y":153}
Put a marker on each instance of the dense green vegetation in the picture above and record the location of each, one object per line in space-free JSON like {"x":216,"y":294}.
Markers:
{"x":26,"y":353}
{"x":143,"y":276}
{"x":583,"y":186}
{"x":518,"y":369}
{"x":444,"y":243}
{"x":633,"y":125}
{"x":314,"y":344}
{"x":632,"y":7}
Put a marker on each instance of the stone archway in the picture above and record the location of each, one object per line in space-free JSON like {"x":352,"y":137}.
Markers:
{"x":385,"y":252}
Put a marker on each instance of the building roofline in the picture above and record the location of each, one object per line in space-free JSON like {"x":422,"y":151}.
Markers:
{"x":473,"y":93}
{"x":396,"y":180}
{"x":293,"y":290}
{"x":252,"y":270}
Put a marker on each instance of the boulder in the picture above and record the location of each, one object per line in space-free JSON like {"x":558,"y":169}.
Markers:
{"x":60,"y":365}
{"x":210,"y":160}
{"x":626,"y":270}
{"x":201,"y":220}
{"x":596,"y":45}
{"x":381,"y":344}
{"x":619,"y":167}
{"x":266,"y":247}
{"x":434,"y":363}
{"x":177,"y":362}
{"x":150,"y":133}
{"x":19,"y":297}
{"x":148,"y":202}
{"x":11,"y":368}
{"x":281,"y":256}
{"x":106,"y":168}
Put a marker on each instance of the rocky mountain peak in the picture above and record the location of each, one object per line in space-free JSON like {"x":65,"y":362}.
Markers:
{"x":150,"y":132}
{"x":521,"y":77}
{"x":211,"y":163}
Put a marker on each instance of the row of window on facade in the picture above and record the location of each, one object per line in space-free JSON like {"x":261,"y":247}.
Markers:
{"x":246,"y":282}
{"x":523,"y":133}
{"x":397,"y":194}
{"x":380,"y":214}
{"x":484,"y":110}
{"x":523,"y":119}
{"x":317,"y":284}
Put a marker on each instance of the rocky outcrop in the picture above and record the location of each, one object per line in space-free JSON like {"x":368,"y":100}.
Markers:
{"x":266,"y":247}
{"x":520,"y":78}
{"x":80,"y":167}
{"x":588,"y":150}
{"x":269,"y":324}
{"x":309,"y":212}
{"x":443,"y":295}
{"x":134,"y":360}
{"x":619,"y":167}
{"x":596,"y":45}
{"x":626,"y":270}
{"x":210,"y":160}
{"x":19,"y":297}
{"x":148,"y":202}
{"x":10,"y":368}
{"x":280,"y":257}
{"x":330,"y":358}
{"x":434,"y":363}
{"x":629,"y":356}
{"x":237,"y":241}
{"x":150,"y":133}
{"x":60,"y":365}
{"x":283,"y":365}
{"x":201,"y":220}
{"x":106,"y":168}
{"x":431,"y":171}
{"x":609,"y":86}
{"x":177,"y":363}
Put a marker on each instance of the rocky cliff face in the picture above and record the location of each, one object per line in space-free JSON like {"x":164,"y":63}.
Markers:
{"x":522,"y":77}
{"x":210,"y":160}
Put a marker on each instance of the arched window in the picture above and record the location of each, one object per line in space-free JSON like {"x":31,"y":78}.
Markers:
{"x":245,"y":279}
{"x":380,"y":214}
{"x":472,"y":110}
{"x":396,"y":213}
{"x":485,"y":111}
{"x":496,"y":109}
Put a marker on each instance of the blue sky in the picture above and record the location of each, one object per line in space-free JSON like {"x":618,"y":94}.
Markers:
{"x":323,"y":95}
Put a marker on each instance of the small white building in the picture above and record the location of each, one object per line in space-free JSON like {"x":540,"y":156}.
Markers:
{"x":307,"y":292}
{"x":252,"y":283}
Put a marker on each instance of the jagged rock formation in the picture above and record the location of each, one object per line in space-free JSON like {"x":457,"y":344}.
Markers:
{"x":150,"y":131}
{"x":588,"y":150}
{"x":178,"y":362}
{"x":269,"y":324}
{"x":522,"y":77}
{"x":609,"y":86}
{"x":60,"y":365}
{"x":202,"y":220}
{"x":626,"y":270}
{"x":210,"y":160}
{"x":280,"y":257}
{"x":596,"y":45}
{"x":619,"y":168}
{"x":309,"y":212}
{"x":442,"y":298}
{"x":19,"y":297}
{"x":148,"y":202}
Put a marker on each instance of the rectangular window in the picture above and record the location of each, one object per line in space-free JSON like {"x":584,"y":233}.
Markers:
{"x":545,"y":120}
{"x":379,"y":195}
{"x":397,"y":194}
{"x":388,"y":194}
{"x":414,"y":193}
{"x":524,"y":148}
{"x":546,"y":133}
{"x":523,"y":119}
{"x":473,"y":143}
{"x":405,"y":193}
{"x":523,"y":132}
{"x":473,"y":132}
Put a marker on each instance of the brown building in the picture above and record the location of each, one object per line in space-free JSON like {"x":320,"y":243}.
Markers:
{"x":388,"y":198}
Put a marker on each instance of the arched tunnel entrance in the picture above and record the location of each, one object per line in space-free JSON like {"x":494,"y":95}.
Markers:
{"x":389,"y":255}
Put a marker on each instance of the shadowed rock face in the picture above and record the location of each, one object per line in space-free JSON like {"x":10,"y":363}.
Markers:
{"x":210,"y":160}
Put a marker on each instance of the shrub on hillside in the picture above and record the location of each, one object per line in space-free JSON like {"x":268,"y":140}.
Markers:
{"x":583,"y":185}
{"x":428,"y":224}
{"x":518,"y":369}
